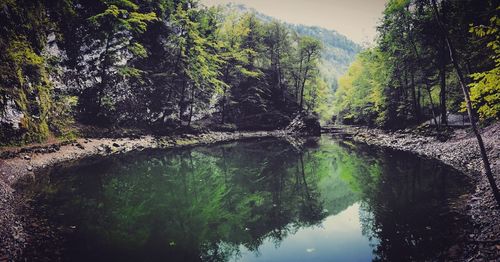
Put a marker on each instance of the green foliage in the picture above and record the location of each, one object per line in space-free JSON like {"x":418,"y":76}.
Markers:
{"x":116,"y":26}
{"x":408,"y":77}
{"x":361,"y":96}
{"x":198,"y":63}
{"x":485,"y":88}
{"x":337,"y":53}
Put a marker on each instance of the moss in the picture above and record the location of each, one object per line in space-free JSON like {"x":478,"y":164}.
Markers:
{"x":61,"y":119}
{"x":24,"y":75}
{"x":31,"y":93}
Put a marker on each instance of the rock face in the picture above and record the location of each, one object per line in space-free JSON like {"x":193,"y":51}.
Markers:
{"x":304,"y":124}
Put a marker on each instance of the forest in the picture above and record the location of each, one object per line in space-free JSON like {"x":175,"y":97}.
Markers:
{"x":409,"y":75}
{"x":153,"y":66}
{"x":178,"y":130}
{"x":159,"y":66}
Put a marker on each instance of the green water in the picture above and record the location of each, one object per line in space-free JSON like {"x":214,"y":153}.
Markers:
{"x":255,"y":200}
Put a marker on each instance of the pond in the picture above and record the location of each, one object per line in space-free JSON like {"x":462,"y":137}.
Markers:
{"x":252,"y":200}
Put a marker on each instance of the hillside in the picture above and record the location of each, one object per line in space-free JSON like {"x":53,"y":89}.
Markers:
{"x":338,"y":50}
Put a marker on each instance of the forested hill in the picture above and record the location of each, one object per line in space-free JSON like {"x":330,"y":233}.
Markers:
{"x":69,"y":66}
{"x":338,"y":50}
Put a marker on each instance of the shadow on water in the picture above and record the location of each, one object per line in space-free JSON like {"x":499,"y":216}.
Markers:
{"x":249,"y":201}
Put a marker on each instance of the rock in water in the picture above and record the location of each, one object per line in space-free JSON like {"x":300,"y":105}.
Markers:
{"x":305,"y":124}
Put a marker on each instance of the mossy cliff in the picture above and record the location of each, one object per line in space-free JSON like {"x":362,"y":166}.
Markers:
{"x":25,"y":89}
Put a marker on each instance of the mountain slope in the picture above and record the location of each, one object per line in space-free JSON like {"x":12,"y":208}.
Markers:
{"x":338,"y":50}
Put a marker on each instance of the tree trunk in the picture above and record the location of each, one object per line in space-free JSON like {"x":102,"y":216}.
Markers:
{"x":223,"y":111}
{"x":434,"y":116}
{"x":191,"y":106}
{"x":465,"y":91}
{"x":223,"y":104}
{"x":302,"y":88}
{"x":442,"y":93}
{"x":182,"y":105}
{"x":297,"y":82}
{"x":427,"y":85}
{"x":416,"y":97}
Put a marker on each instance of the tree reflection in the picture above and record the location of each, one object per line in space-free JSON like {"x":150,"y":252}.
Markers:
{"x":205,"y":203}
{"x":185,"y":205}
{"x":405,"y":204}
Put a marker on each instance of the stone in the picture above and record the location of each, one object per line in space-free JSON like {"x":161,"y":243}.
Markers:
{"x":304,"y":124}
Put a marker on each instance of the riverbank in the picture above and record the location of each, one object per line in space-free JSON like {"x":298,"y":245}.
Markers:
{"x":458,"y":149}
{"x":24,"y":162}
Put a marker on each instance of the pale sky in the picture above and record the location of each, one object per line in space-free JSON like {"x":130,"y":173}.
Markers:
{"x":356,"y":19}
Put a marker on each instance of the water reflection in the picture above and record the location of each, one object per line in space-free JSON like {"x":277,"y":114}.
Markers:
{"x":339,"y":238}
{"x":252,"y":200}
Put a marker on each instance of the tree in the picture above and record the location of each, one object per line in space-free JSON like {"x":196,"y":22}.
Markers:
{"x":114,"y":32}
{"x":277,"y":41}
{"x":465,"y":90}
{"x":309,"y":51}
{"x":197,"y":62}
{"x":362,"y":94}
{"x":235,"y":58}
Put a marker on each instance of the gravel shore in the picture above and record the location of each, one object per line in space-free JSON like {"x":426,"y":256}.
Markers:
{"x":459,"y":150}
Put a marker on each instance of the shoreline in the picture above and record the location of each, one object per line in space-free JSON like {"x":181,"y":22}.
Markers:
{"x":19,"y":163}
{"x":462,"y":153}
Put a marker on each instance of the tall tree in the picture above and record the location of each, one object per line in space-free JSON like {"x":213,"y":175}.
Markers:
{"x":114,"y":32}
{"x":277,"y":41}
{"x":309,"y":52}
{"x":197,"y":63}
{"x":235,"y":57}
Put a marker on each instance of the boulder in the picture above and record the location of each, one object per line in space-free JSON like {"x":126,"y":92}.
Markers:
{"x":305,"y":125}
